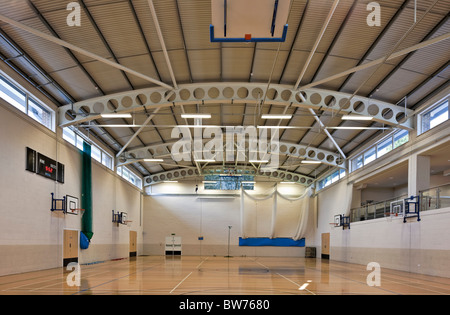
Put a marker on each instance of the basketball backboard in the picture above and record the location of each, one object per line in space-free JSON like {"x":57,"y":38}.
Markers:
{"x":249,"y":20}
{"x":72,"y":204}
{"x":337,"y":220}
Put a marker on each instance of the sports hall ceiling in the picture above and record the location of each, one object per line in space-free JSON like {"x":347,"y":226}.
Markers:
{"x":124,"y":32}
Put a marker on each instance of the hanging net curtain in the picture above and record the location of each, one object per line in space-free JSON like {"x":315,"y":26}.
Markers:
{"x":275,"y":215}
{"x":86,"y":191}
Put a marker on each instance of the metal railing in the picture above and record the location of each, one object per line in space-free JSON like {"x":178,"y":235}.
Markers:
{"x":430,"y":199}
{"x":435,"y":198}
{"x":373,"y":210}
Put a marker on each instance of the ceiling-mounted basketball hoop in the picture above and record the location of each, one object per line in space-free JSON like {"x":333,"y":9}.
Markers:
{"x":249,"y":21}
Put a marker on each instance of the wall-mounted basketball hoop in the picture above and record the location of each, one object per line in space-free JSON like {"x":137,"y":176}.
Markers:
{"x":341,"y":220}
{"x":120,"y":218}
{"x":58,"y":204}
{"x":412,"y":208}
{"x":67,"y":205}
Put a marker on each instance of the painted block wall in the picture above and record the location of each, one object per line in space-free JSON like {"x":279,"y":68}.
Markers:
{"x":31,"y":236}
{"x":419,"y":247}
{"x":415,"y":246}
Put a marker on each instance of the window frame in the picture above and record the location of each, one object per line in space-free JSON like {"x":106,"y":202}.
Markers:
{"x":382,"y":142}
{"x":396,"y":145}
{"x":28,"y":101}
{"x":421,"y":121}
{"x":221,"y":182}
{"x":76,"y":139}
{"x":331,"y":178}
{"x":370,"y":155}
{"x":129,"y":176}
{"x":391,"y":138}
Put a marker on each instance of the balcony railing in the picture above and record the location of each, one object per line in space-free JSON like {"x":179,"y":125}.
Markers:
{"x":430,"y":199}
{"x":373,"y":210}
{"x":435,"y":198}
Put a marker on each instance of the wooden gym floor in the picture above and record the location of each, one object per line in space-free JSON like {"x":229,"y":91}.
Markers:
{"x":188,"y":275}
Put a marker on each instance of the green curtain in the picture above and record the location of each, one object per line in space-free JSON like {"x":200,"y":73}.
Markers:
{"x":86,"y":191}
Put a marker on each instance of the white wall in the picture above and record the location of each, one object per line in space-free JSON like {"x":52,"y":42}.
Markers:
{"x":415,"y":246}
{"x":174,"y":208}
{"x":31,"y":235}
{"x":419,"y":247}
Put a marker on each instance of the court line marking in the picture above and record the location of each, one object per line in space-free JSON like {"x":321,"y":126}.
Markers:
{"x":90,"y":288}
{"x":202,"y":262}
{"x":261,"y":264}
{"x":181,"y":282}
{"x":302,"y":287}
{"x":54,"y":272}
{"x":31,"y":284}
{"x":64,"y":280}
{"x":340,"y":267}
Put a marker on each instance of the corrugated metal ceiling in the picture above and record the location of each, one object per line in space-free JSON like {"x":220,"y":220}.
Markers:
{"x":124,"y":30}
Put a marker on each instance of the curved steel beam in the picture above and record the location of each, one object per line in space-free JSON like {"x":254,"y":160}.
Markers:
{"x":215,"y":170}
{"x":232,"y":92}
{"x":163,"y":150}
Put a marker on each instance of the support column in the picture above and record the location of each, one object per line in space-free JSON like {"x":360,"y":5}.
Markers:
{"x":418,"y":174}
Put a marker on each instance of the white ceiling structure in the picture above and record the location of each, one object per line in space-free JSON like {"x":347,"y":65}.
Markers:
{"x":154,"y":59}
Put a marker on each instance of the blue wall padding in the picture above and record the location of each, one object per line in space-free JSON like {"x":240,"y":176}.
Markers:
{"x":265,"y":241}
{"x":84,"y":241}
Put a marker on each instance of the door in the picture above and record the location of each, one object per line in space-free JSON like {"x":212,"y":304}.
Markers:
{"x":133,"y":243}
{"x":70,"y":247}
{"x":326,"y":245}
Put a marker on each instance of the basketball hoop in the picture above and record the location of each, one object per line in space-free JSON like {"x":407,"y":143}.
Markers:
{"x":127,"y":222}
{"x":77,"y":211}
{"x":392,"y":214}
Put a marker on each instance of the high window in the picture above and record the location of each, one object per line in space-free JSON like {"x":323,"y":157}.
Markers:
{"x":22,"y":100}
{"x":129,"y":176}
{"x":96,"y":153}
{"x":227,"y":182}
{"x":330,"y":179}
{"x":435,"y":116}
{"x":379,"y":149}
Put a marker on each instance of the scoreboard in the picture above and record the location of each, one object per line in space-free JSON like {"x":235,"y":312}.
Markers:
{"x":44,"y":166}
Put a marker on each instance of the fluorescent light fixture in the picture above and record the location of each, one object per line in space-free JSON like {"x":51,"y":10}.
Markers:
{"x":275,"y":127}
{"x":209,"y":182}
{"x":115,"y":115}
{"x":197,"y":126}
{"x":269,"y":116}
{"x":248,"y":182}
{"x":311,"y":162}
{"x":283,"y":127}
{"x":258,"y":161}
{"x":206,"y":116}
{"x":111,"y":126}
{"x":204,"y":161}
{"x":153,"y":160}
{"x":287,"y":183}
{"x":358,"y":128}
{"x":356,"y":117}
